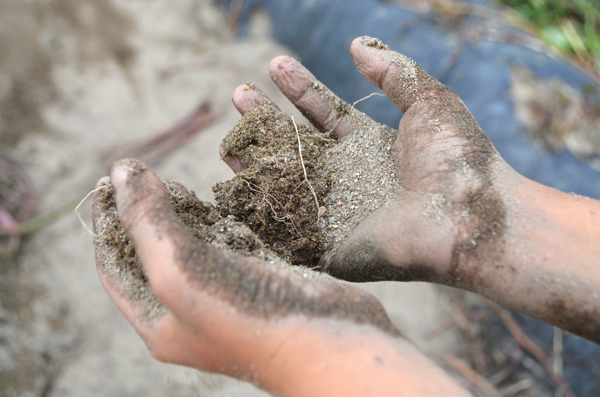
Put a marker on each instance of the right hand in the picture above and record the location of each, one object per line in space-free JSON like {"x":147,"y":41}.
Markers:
{"x":448,"y":205}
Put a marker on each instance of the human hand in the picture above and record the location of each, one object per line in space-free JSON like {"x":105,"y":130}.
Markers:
{"x":289,"y":330}
{"x":447,"y":203}
{"x":457,"y":206}
{"x":461,"y":216}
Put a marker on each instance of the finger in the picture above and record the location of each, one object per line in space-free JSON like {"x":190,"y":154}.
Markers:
{"x":110,"y":261}
{"x":232,"y":161}
{"x":244,"y":98}
{"x":169,"y":253}
{"x":325,"y":110}
{"x":149,"y":221}
{"x":247,"y":96}
{"x":167,"y":339}
{"x":402,"y":80}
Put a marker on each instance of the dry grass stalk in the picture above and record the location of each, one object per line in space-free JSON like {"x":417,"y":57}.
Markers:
{"x":304,"y":168}
{"x":85,"y":226}
{"x":288,"y":215}
{"x":529,"y":345}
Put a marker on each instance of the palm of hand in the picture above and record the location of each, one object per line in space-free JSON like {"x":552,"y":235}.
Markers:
{"x":446,"y":204}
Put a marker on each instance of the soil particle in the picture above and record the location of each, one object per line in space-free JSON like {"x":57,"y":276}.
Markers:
{"x":434,"y":125}
{"x":249,"y":86}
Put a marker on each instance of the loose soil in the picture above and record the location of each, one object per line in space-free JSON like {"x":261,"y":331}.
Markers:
{"x":272,"y":195}
{"x":351,"y":179}
{"x":269,"y":210}
{"x":117,"y":254}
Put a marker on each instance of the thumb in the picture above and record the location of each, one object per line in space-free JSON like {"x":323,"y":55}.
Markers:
{"x":402,"y":80}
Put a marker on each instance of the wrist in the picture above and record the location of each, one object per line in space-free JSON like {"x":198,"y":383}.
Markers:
{"x":544,"y":264}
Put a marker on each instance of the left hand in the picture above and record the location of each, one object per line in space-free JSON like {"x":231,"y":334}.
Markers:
{"x":216,"y":303}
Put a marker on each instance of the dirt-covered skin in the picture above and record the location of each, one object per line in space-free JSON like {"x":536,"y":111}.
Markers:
{"x":276,"y":325}
{"x":450,"y":211}
{"x":211,"y":249}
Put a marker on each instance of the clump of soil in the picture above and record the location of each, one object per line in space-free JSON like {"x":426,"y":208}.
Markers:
{"x":272,"y":196}
{"x":291,"y":205}
{"x":352,"y":178}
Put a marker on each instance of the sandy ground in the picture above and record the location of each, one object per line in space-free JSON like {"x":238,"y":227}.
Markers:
{"x":79,"y":76}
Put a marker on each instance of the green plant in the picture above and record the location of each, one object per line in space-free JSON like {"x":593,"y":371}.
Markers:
{"x":571,"y":26}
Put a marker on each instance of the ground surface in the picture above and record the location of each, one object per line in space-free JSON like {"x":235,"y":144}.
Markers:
{"x":77,"y":77}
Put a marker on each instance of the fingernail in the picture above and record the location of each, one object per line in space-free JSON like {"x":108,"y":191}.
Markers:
{"x":234,"y":163}
{"x":125,"y":169}
{"x":105,"y":180}
{"x":373,"y":42}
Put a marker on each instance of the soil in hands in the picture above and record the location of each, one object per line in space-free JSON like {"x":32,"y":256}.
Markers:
{"x":283,"y":207}
{"x":351,"y":178}
{"x":284,"y":184}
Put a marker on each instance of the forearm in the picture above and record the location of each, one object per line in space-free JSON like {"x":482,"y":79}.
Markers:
{"x":547,"y":262}
{"x":326,"y":358}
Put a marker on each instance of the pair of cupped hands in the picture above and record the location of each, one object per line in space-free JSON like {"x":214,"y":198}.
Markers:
{"x":442,"y":160}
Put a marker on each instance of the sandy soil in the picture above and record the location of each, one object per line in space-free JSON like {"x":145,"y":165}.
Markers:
{"x":80,"y":76}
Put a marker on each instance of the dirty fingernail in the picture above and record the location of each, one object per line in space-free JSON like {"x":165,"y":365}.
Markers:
{"x":123,"y":170}
{"x":373,"y":42}
{"x":105,"y":180}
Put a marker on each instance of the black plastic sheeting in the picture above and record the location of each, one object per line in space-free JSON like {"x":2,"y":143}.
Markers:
{"x":320,"y":32}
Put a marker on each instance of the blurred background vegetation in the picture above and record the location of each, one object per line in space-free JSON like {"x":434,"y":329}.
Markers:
{"x":570,"y":26}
